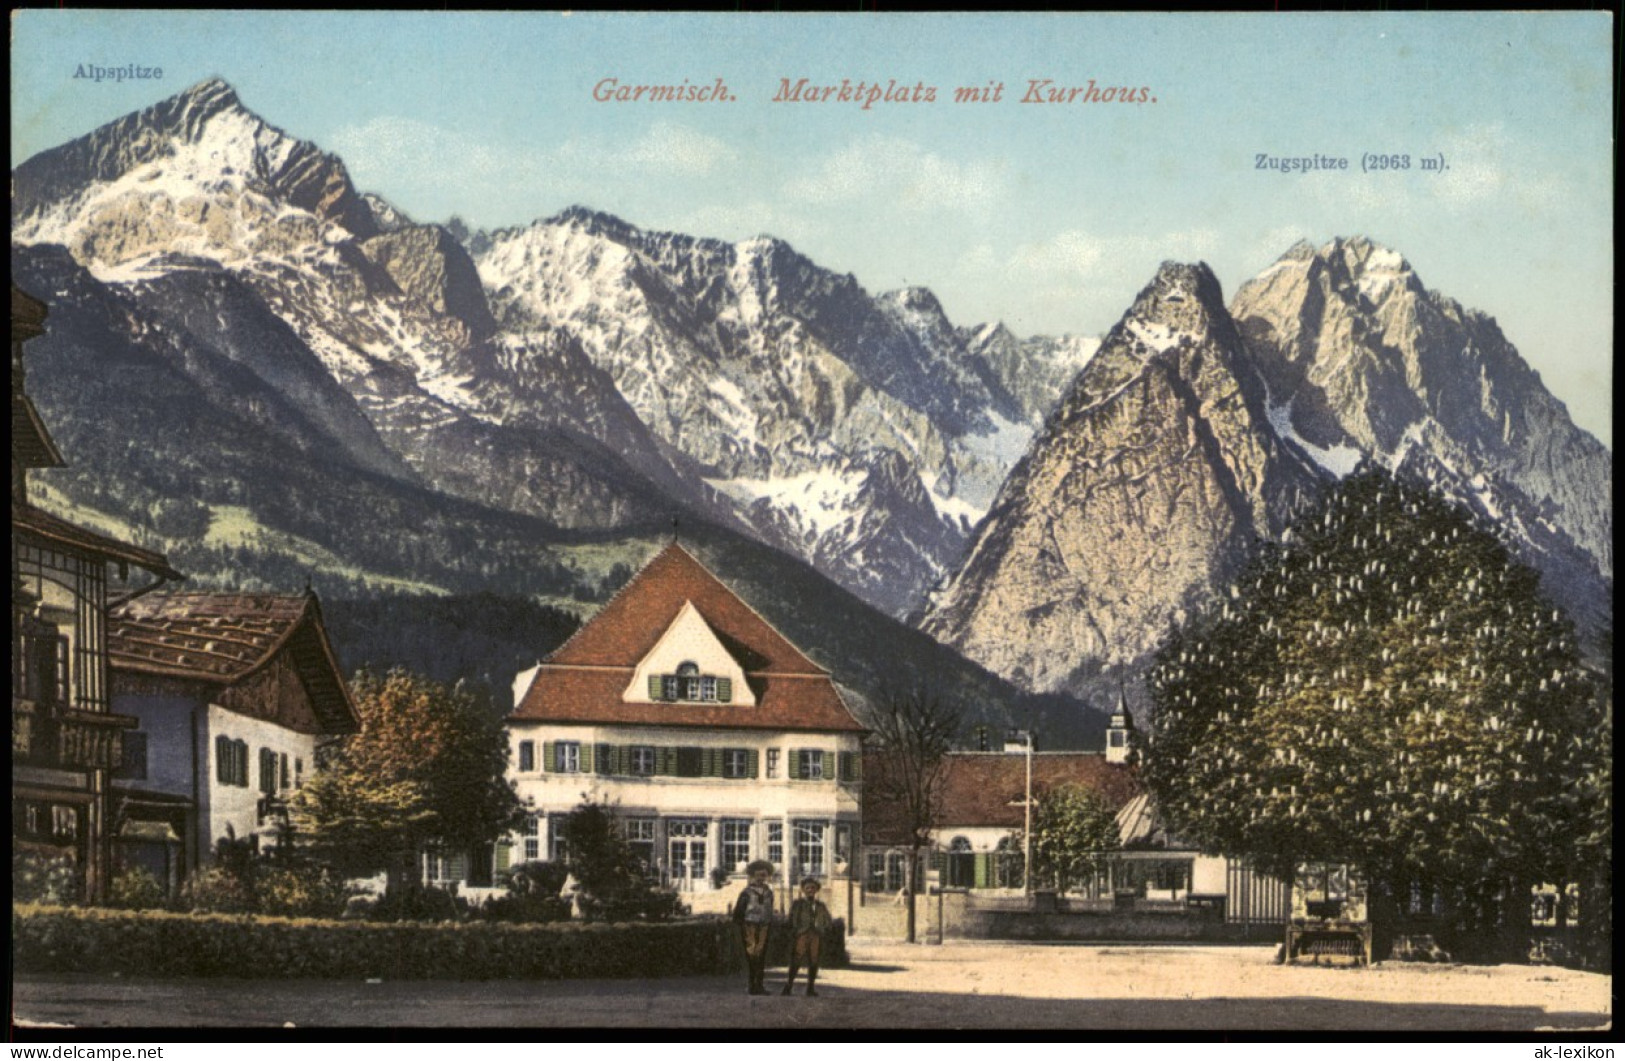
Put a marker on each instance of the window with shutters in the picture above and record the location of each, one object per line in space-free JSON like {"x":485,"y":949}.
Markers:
{"x":773,"y":762}
{"x":688,"y":685}
{"x":603,"y":758}
{"x":567,"y":757}
{"x":961,"y":865}
{"x":847,"y":766}
{"x":690,"y":762}
{"x":231,"y":762}
{"x":809,"y":764}
{"x":267,"y":772}
{"x":641,"y":758}
{"x":284,"y":775}
{"x":527,"y":756}
{"x":736,"y":763}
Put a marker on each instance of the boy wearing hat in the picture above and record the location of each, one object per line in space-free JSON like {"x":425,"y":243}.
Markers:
{"x":809,"y":920}
{"x":753,"y":913}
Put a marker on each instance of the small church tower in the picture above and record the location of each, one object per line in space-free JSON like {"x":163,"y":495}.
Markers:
{"x":1117,"y":733}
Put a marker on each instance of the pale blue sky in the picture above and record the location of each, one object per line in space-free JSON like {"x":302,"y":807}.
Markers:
{"x":1049,"y":217}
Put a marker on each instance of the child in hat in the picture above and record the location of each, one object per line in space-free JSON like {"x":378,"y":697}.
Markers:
{"x":753,"y":913}
{"x":809,"y":920}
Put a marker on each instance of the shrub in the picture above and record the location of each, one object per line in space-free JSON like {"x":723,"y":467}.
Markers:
{"x":216,"y":890}
{"x":420,"y":904}
{"x":37,"y":878}
{"x":136,"y":889}
{"x":166,"y":944}
{"x":300,"y":890}
{"x":533,"y":894}
{"x":651,"y":904}
{"x":535,"y":878}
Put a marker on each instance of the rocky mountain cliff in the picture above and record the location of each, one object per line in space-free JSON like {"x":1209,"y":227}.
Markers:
{"x":856,"y":430}
{"x":577,"y":369}
{"x":1152,"y":478}
{"x":1197,"y":427}
{"x":1362,"y":356}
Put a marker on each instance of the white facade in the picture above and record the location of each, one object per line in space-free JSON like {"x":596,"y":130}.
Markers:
{"x":219,"y":758}
{"x":744,"y":798}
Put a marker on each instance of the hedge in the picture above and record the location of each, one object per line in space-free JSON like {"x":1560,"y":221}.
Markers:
{"x":56,"y":939}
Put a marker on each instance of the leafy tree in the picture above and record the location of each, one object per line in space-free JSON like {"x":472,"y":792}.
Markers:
{"x":1074,"y":835}
{"x":914,"y":727}
{"x":427,"y":770}
{"x":1386,"y":686}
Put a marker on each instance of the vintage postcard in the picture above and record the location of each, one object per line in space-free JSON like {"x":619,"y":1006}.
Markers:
{"x":1083,"y":522}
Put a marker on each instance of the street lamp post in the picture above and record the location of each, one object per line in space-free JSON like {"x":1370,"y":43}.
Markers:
{"x":1027,"y":835}
{"x":1026,"y":738}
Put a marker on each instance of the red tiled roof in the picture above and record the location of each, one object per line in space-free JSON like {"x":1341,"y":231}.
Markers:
{"x":30,"y":520}
{"x":626,"y":628}
{"x":224,"y":638}
{"x":987,"y":788}
{"x":583,"y":680}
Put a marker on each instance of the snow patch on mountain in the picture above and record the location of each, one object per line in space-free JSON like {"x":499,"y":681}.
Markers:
{"x":1340,"y":460}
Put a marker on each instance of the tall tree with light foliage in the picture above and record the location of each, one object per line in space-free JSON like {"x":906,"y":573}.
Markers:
{"x":1387,"y":686}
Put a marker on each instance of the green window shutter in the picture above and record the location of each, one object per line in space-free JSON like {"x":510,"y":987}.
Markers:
{"x":549,"y":764}
{"x":753,"y":763}
{"x":725,"y":690}
{"x":504,"y":855}
{"x":586,"y":758}
{"x":797,"y":765}
{"x":655,"y":687}
{"x":984,"y":871}
{"x":617,"y":759}
{"x":668,"y":761}
{"x":843,"y":765}
{"x":713,"y":762}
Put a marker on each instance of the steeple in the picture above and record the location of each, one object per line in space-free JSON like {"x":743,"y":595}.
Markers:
{"x":1117,"y":733}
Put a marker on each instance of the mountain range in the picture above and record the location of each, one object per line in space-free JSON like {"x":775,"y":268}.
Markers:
{"x":275,"y":376}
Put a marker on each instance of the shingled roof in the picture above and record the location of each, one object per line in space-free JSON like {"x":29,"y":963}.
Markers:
{"x":584,"y":679}
{"x":982,"y":789}
{"x":226,"y":638}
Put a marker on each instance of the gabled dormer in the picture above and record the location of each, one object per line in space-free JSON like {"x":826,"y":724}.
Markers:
{"x":689,"y":664}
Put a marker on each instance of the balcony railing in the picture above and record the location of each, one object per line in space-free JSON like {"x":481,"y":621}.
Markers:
{"x":66,"y":739}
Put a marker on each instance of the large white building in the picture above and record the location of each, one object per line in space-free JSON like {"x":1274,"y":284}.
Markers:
{"x":713,"y":738}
